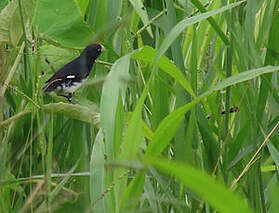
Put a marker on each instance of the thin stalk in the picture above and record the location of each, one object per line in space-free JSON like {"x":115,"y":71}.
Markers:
{"x":30,"y":156}
{"x":250,"y":163}
{"x":149,"y":23}
{"x":12,"y":72}
{"x":49,"y":163}
{"x":23,"y":95}
{"x":212,"y":22}
{"x":228,"y":89}
{"x":13,"y":118}
{"x":261,"y":186}
{"x":25,"y":38}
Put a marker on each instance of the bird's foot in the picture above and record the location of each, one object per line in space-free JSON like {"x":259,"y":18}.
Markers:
{"x":69,"y":97}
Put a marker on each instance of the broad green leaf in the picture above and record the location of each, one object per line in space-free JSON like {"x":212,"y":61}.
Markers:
{"x":57,"y":58}
{"x":75,"y":111}
{"x":148,"y":54}
{"x":3,"y":3}
{"x":97,"y":14}
{"x":222,"y":199}
{"x":141,"y":11}
{"x":10,"y":21}
{"x":114,"y":8}
{"x":62,"y":23}
{"x":114,"y":84}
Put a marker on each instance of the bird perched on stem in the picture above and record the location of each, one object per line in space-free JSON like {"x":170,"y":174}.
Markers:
{"x":71,"y":76}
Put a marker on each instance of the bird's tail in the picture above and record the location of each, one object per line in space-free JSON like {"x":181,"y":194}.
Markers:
{"x":51,"y":85}
{"x":48,"y":88}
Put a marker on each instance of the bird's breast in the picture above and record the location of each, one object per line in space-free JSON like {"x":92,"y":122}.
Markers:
{"x":71,"y":86}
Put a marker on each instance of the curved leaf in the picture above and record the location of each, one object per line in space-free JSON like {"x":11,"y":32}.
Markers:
{"x":75,"y":111}
{"x":113,"y":85}
{"x":222,"y":199}
{"x":148,"y":54}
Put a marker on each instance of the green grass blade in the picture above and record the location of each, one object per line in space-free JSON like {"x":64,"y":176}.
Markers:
{"x":222,"y":199}
{"x":141,"y":11}
{"x":272,"y":58}
{"x":114,"y":8}
{"x":133,"y":192}
{"x":116,"y":82}
{"x":14,"y":118}
{"x":131,"y":142}
{"x":211,"y":20}
{"x":97,"y":173}
{"x":148,"y":54}
{"x":167,"y":128}
{"x":177,"y":29}
{"x":244,"y":76}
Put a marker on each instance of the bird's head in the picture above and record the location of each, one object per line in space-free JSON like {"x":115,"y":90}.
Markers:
{"x":94,"y":50}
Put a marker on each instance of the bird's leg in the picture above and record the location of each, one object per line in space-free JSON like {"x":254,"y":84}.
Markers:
{"x":70,"y":95}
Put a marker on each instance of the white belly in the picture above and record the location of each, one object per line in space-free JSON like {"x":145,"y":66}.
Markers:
{"x":73,"y":87}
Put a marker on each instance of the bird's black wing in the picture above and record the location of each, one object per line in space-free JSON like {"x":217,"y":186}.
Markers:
{"x":73,"y":71}
{"x":72,"y":68}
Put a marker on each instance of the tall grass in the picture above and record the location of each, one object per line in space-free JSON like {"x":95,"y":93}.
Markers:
{"x":151,"y":130}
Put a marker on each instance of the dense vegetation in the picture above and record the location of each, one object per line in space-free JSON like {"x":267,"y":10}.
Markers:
{"x":151,"y":130}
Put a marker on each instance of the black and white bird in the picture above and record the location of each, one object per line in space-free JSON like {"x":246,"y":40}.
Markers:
{"x":71,"y":76}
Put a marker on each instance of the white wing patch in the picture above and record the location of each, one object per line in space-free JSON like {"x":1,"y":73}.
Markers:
{"x":71,"y":76}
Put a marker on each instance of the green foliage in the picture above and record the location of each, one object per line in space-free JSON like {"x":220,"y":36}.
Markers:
{"x":62,"y":23}
{"x":10,"y":20}
{"x":152,"y":130}
{"x":203,"y":185}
